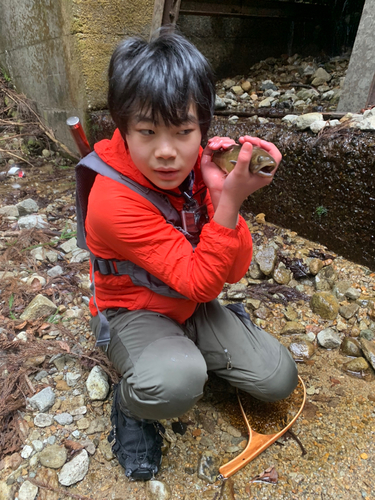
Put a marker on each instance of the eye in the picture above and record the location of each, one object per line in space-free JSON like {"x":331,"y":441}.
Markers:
{"x":185,"y":131}
{"x":146,"y":131}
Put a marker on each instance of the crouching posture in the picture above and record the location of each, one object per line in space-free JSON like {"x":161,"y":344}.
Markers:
{"x":165,"y":235}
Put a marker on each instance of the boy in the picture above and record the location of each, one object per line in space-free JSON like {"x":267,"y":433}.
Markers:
{"x":167,"y":329}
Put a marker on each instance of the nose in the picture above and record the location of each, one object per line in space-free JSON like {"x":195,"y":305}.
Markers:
{"x":165,"y":150}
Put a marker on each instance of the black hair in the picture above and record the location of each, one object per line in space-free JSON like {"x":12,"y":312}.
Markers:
{"x":160,"y":78}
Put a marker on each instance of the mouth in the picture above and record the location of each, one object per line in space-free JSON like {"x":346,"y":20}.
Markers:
{"x":166,"y":173}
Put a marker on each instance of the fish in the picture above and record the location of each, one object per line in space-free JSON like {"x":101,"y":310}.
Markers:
{"x":261,"y":162}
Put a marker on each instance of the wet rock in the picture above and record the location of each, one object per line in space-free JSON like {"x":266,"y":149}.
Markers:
{"x":281,"y":274}
{"x":315,"y":266}
{"x":227,"y":490}
{"x":367,"y":334}
{"x":348,"y":311}
{"x":38,"y":308}
{"x":292,"y":328}
{"x":254,"y":271}
{"x":328,"y":339}
{"x":28,"y":491}
{"x":43,"y":420}
{"x":353,"y":293}
{"x":351,"y":347}
{"x":75,"y":470}
{"x":266,"y":259}
{"x":208,"y":466}
{"x":340,"y":289}
{"x":30,"y":221}
{"x":237,"y":292}
{"x":261,"y":313}
{"x":53,"y":456}
{"x":290,"y":314}
{"x":357,"y":365}
{"x":325,"y":304}
{"x":157,"y":490}
{"x":43,"y":400}
{"x":97,"y":384}
{"x":302,"y":349}
{"x":28,"y":206}
{"x":368,"y":348}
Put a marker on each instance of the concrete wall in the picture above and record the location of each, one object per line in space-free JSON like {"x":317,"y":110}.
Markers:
{"x":57,"y":51}
{"x":361,"y":68}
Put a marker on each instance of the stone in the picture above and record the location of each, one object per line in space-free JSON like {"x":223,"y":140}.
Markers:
{"x":357,"y":365}
{"x":328,"y":339}
{"x":246,"y":86}
{"x":75,"y":470}
{"x":237,"y":291}
{"x":254,"y":271}
{"x":340,"y":288}
{"x":80,"y":255}
{"x":208,"y":467}
{"x":30,"y":221}
{"x":97,"y":384}
{"x":268,"y":84}
{"x":27,"y":451}
{"x":157,"y":490}
{"x":227,"y":84}
{"x":351,"y":347}
{"x":9,"y":211}
{"x":302,"y":349}
{"x":35,"y":279}
{"x":367,"y":334}
{"x":315,"y":266}
{"x":72,"y":378}
{"x":63,"y":418}
{"x":317,"y":126}
{"x":38,"y":308}
{"x":69,"y":245}
{"x":320,"y":76}
{"x":96,"y":426}
{"x":28,"y":491}
{"x":53,"y":456}
{"x":37,"y":445}
{"x":353,"y":293}
{"x":28,"y":206}
{"x":219,"y":103}
{"x":266,"y":103}
{"x":368,"y":348}
{"x":292,"y":328}
{"x":106,"y":450}
{"x":325,"y":304}
{"x":266,"y":259}
{"x":55,"y":271}
{"x":281,"y":274}
{"x":43,"y":400}
{"x":10,"y":462}
{"x":232,"y":120}
{"x":304,"y":121}
{"x":43,"y":420}
{"x":348,"y":311}
{"x":237,"y":90}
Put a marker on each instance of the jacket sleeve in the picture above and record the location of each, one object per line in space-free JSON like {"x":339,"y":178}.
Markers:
{"x":131,"y":228}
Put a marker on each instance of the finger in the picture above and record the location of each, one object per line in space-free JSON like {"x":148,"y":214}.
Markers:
{"x":244,"y":156}
{"x":267,"y":146}
{"x":216,"y":143}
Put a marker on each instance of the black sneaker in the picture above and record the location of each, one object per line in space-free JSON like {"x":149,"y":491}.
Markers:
{"x":136,"y":443}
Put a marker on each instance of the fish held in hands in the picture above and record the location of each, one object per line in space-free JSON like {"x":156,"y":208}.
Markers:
{"x":261,"y":162}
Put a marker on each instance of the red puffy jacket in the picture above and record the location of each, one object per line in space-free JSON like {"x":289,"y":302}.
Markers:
{"x":123,"y":225}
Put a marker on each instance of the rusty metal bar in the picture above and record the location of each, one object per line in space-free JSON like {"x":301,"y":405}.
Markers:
{"x":255,"y":9}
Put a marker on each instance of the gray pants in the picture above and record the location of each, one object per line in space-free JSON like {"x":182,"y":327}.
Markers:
{"x":164,"y":372}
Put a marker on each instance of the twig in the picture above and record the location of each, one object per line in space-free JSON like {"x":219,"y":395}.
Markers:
{"x":16,"y":156}
{"x":57,"y":490}
{"x":297,"y":440}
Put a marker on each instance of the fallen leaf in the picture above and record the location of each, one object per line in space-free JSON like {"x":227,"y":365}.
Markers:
{"x":64,"y":345}
{"x":45,"y":326}
{"x":270,"y":475}
{"x":21,"y":326}
{"x":72,"y":445}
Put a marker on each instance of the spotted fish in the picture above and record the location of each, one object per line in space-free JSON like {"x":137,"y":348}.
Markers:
{"x":261,"y":162}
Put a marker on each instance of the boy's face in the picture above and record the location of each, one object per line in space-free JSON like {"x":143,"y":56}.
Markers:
{"x":165,"y":155}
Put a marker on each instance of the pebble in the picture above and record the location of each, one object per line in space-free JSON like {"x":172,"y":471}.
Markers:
{"x":64,"y":418}
{"x":75,"y":470}
{"x":53,"y":456}
{"x":27,"y":451}
{"x":328,"y":339}
{"x":325,"y":304}
{"x":208,"y":466}
{"x":43,"y":400}
{"x":158,"y":490}
{"x":28,"y":491}
{"x":43,"y":420}
{"x":97,"y":384}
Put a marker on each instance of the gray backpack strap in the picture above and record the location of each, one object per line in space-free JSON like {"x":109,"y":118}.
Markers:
{"x":86,"y":171}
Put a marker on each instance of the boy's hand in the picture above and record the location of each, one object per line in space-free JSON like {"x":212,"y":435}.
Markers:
{"x":267,"y":146}
{"x":213,"y":177}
